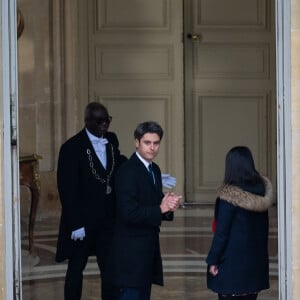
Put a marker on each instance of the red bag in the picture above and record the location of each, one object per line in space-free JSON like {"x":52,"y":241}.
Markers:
{"x":214,"y":225}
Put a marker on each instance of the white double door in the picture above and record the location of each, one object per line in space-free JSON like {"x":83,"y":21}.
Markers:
{"x":205,"y":70}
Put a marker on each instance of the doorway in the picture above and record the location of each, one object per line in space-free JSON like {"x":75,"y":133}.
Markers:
{"x":162,"y":98}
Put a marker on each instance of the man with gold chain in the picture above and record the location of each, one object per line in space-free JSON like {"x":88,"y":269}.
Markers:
{"x":85,"y":177}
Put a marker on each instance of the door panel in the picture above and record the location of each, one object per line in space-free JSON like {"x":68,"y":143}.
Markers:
{"x":219,"y":119}
{"x":230,"y":89}
{"x":136,"y":70}
{"x":233,"y":14}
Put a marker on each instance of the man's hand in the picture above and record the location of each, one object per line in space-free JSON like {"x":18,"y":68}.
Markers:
{"x":213,"y":270}
{"x":173,"y":201}
{"x":170,"y":202}
{"x":78,"y":234}
{"x":168,"y":181}
{"x":164,"y":207}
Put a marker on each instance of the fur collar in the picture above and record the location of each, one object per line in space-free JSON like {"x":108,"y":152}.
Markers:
{"x":246,"y":200}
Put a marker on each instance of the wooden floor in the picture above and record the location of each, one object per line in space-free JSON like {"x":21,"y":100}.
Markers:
{"x":184,"y":244}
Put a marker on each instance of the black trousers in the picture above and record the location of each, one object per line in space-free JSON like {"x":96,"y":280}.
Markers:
{"x":97,"y":242}
{"x":246,"y":297}
{"x":135,"y":293}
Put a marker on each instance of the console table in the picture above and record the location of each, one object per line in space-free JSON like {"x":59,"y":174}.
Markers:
{"x":30,"y":177}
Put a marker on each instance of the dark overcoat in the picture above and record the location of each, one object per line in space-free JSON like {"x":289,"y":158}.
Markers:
{"x":136,"y":257}
{"x":240,"y":243}
{"x":82,"y":194}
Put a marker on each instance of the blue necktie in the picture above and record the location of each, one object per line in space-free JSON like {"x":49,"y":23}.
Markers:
{"x":150,"y":168}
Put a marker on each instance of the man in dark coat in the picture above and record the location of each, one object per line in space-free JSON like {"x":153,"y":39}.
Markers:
{"x":85,"y":177}
{"x":141,"y":206}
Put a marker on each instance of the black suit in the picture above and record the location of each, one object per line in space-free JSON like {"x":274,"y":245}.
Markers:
{"x":85,"y":204}
{"x":136,"y":258}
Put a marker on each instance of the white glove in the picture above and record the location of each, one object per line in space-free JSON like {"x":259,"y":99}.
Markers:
{"x":78,"y":234}
{"x":168,"y":181}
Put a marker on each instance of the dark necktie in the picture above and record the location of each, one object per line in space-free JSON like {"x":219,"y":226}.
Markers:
{"x":150,"y":168}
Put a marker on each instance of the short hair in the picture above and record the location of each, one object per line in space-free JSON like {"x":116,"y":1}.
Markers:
{"x":148,"y":127}
{"x":93,"y":106}
{"x":239,"y":167}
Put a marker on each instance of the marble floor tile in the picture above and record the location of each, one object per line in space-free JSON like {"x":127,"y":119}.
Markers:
{"x":184,"y":245}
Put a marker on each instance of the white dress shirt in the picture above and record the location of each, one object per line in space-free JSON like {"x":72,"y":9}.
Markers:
{"x":99,"y":147}
{"x":144,"y":161}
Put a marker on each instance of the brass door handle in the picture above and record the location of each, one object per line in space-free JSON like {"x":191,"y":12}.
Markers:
{"x":194,"y":36}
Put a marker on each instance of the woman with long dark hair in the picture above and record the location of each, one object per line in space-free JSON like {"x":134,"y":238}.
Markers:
{"x":238,"y":260}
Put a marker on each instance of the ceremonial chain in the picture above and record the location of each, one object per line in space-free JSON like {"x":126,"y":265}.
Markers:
{"x":97,"y":176}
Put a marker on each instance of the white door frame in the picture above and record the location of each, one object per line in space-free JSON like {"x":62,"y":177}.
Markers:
{"x":9,"y":160}
{"x":284,"y":149}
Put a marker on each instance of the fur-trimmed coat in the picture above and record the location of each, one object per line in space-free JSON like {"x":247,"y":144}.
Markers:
{"x":240,"y":243}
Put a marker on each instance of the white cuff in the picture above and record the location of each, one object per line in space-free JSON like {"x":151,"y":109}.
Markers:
{"x":78,"y":234}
